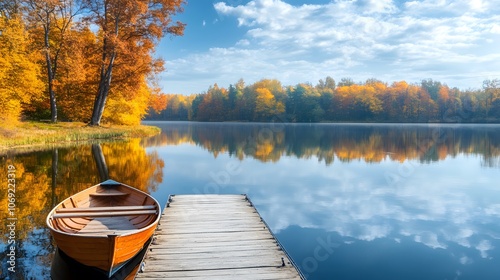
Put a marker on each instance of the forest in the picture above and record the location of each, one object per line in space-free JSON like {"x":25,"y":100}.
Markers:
{"x":82,"y":60}
{"x":328,"y":101}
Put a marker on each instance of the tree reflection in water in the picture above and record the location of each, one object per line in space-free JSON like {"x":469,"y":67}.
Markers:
{"x":44,"y":178}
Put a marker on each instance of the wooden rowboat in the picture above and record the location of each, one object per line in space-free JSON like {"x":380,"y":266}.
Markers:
{"x":104,"y":225}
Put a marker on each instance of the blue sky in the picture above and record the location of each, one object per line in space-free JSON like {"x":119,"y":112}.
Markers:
{"x":294,"y":41}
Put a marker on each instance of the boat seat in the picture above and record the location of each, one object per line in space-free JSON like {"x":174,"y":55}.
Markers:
{"x":103,"y":214}
{"x":105,"y":209}
{"x":108,"y":194}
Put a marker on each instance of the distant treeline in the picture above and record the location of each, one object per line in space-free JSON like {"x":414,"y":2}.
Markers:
{"x":328,"y":101}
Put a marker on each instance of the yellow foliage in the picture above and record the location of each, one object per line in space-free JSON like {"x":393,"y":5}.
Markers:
{"x":125,"y":108}
{"x":266,"y":105}
{"x":264,"y":150}
{"x":31,"y":193}
{"x":19,"y":75}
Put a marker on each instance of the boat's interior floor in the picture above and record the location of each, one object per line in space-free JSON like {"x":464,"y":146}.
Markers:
{"x":107,"y":225}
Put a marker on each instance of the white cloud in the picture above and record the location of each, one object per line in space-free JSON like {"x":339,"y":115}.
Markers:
{"x":466,"y":260}
{"x":429,"y":239}
{"x":478,"y":5}
{"x":483,"y":247}
{"x":378,"y":6}
{"x":243,"y":42}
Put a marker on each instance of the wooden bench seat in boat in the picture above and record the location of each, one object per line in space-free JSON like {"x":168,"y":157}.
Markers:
{"x":108,"y":194}
{"x":105,"y":209}
{"x":103,"y":214}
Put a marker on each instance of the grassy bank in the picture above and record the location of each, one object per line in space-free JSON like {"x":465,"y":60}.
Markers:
{"x":39,"y":133}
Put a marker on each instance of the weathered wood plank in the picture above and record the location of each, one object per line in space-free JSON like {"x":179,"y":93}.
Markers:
{"x":287,"y":272}
{"x":214,"y":237}
{"x":243,"y":273}
{"x":167,"y":255}
{"x":221,"y":236}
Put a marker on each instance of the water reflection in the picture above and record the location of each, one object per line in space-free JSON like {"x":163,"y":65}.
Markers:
{"x":371,"y":143}
{"x":347,"y":201}
{"x":356,"y":201}
{"x":44,"y":178}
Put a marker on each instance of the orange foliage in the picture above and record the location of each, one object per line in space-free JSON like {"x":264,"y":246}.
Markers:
{"x":158,"y":102}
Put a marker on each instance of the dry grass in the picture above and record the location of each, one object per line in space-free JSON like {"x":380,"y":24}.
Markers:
{"x":39,"y":133}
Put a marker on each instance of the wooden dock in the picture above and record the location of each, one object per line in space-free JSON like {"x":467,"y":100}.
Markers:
{"x":215,"y":237}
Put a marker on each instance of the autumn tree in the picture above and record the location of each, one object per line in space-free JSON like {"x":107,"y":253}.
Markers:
{"x":211,"y":107}
{"x":344,"y":102}
{"x":158,"y":102}
{"x":124,"y":24}
{"x":266,"y":105}
{"x":19,"y":74}
{"x":10,"y":8}
{"x":369,"y":99}
{"x":53,"y":18}
{"x":270,"y":99}
{"x":77,"y":75}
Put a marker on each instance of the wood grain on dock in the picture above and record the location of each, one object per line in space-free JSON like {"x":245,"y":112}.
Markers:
{"x":215,"y":237}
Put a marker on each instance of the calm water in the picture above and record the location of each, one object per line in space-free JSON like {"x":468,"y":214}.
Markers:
{"x":346,"y":201}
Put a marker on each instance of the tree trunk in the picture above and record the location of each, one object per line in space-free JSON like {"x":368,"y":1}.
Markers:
{"x":55,"y":161}
{"x":53,"y":103}
{"x":102,"y":92}
{"x":105,"y":79}
{"x":100,"y":162}
{"x":50,"y":74}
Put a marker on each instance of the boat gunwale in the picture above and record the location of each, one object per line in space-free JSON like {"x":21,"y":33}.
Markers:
{"x":132,"y":232}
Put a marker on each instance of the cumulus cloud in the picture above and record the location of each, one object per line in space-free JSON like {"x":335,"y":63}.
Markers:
{"x":483,"y":247}
{"x":430,"y":239}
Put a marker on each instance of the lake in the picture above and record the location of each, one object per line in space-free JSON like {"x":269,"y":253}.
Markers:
{"x":347,"y":201}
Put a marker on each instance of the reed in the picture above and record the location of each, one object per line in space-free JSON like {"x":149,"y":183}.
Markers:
{"x":40,"y":133}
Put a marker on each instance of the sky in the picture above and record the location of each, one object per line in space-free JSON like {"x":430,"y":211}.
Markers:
{"x":298,"y":41}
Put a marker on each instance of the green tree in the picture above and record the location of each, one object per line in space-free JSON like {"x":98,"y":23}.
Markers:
{"x":345,"y":82}
{"x":432,"y":88}
{"x":491,"y":94}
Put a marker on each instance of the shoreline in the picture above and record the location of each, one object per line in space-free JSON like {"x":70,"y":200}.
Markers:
{"x":34,"y":134}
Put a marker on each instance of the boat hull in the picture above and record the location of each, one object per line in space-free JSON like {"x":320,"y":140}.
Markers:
{"x":63,"y":267}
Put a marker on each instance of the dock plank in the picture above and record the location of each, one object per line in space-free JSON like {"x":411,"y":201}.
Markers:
{"x":215,"y":237}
